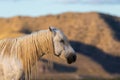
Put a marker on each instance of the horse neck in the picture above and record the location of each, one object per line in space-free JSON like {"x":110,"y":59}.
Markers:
{"x":35,"y":46}
{"x":45,"y":42}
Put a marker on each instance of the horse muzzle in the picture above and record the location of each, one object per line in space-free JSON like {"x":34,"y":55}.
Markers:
{"x":71,"y":58}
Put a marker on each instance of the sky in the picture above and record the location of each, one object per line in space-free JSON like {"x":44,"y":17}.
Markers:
{"x":34,"y":8}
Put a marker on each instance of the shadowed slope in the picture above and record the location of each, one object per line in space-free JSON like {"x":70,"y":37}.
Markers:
{"x":110,"y":63}
{"x":114,"y":23}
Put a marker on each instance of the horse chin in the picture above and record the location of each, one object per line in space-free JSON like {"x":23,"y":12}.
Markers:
{"x":69,"y":62}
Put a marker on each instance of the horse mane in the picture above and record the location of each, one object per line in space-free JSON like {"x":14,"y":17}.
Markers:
{"x":28,"y":49}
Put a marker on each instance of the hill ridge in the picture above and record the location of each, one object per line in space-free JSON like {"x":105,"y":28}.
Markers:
{"x":94,"y":36}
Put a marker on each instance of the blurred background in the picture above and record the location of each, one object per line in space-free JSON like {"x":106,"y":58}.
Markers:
{"x":92,"y":26}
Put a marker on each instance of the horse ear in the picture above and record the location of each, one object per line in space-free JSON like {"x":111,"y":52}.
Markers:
{"x":52,"y":29}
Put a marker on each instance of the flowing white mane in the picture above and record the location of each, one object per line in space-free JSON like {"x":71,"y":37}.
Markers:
{"x":28,"y":49}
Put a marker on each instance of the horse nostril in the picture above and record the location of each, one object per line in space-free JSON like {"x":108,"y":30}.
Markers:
{"x":74,"y":58}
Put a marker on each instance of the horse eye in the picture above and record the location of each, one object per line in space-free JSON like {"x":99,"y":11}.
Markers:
{"x":62,"y":41}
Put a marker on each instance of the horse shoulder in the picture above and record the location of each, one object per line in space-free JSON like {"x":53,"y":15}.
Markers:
{"x":10,"y":69}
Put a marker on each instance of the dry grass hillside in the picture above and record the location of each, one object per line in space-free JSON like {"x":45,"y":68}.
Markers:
{"x":94,"y":36}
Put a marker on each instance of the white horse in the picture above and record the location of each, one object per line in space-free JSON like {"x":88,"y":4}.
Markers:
{"x":18,"y":55}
